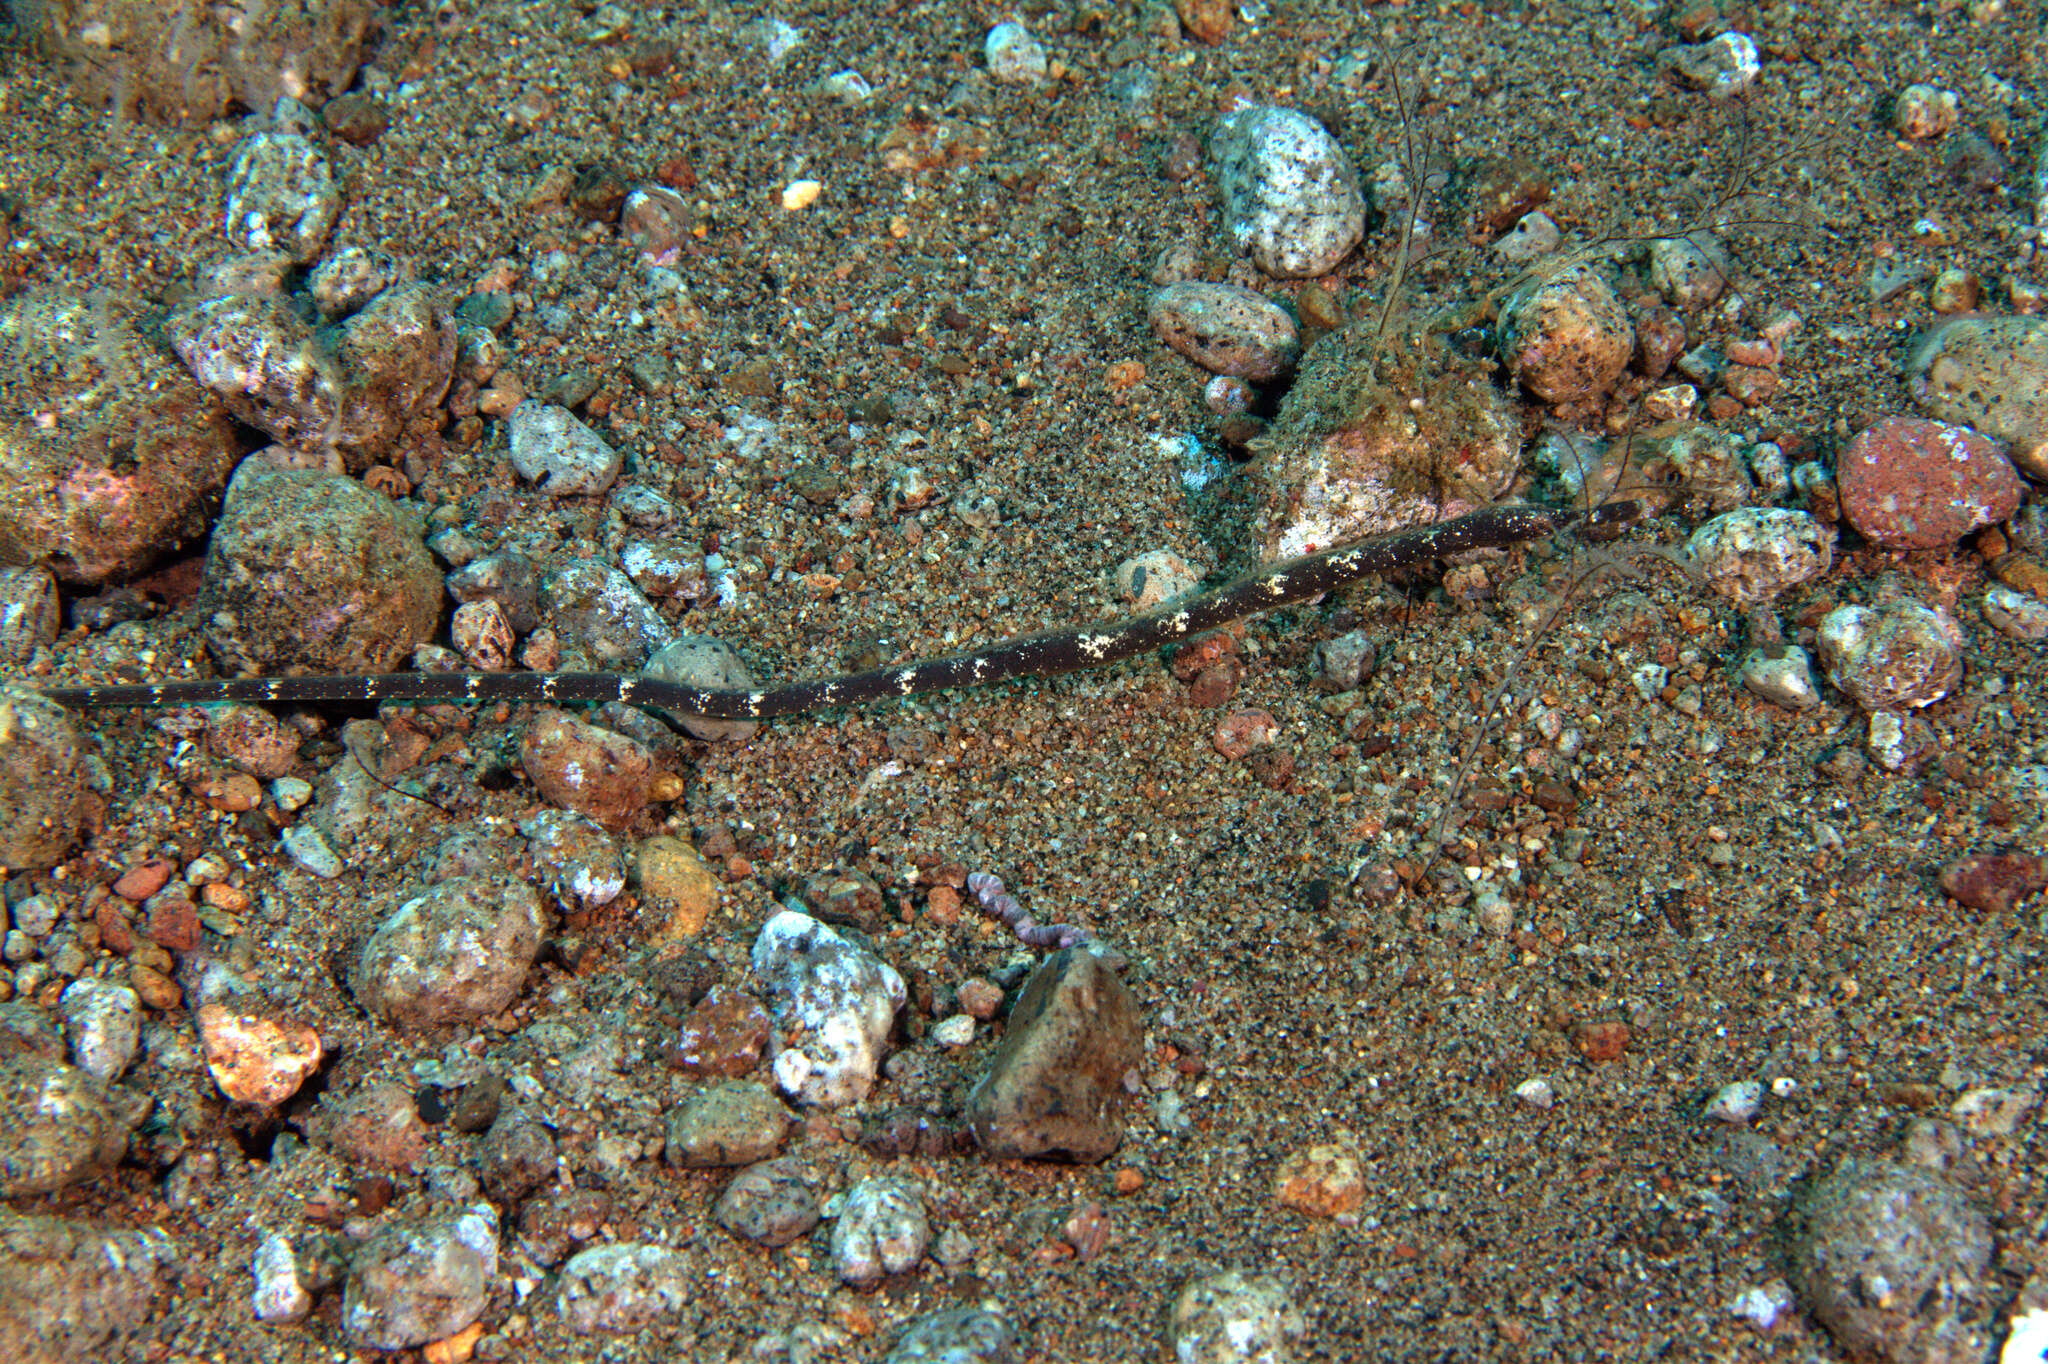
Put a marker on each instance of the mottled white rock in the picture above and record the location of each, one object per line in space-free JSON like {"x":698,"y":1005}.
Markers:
{"x":1290,"y":194}
{"x":1234,"y":1318}
{"x":625,"y":1287}
{"x":835,"y":998}
{"x":1751,"y":555}
{"x":104,"y":1021}
{"x":1899,"y":655}
{"x":280,"y":1294}
{"x":552,"y":448}
{"x":882,"y":1230}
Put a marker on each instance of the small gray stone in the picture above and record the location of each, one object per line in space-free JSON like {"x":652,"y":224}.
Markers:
{"x":1781,"y":674}
{"x":281,"y":1294}
{"x":2015,"y":614}
{"x":958,"y":1335}
{"x":549,"y":446}
{"x":29,"y":613}
{"x":701,"y":661}
{"x":1722,"y":68}
{"x":601,"y":616}
{"x":517,"y":1156}
{"x":1893,"y":1261}
{"x":1290,"y":194}
{"x":1341,"y":664}
{"x":838,"y":998}
{"x":35,"y":915}
{"x":311,"y":850}
{"x":1052,"y":1089}
{"x":735,"y":1122}
{"x":626,"y":1287}
{"x":421,"y":1281}
{"x":772,"y":1203}
{"x":1737,"y":1102}
{"x":314,"y":572}
{"x":454,"y":953}
{"x":104,"y":1021}
{"x":1233,"y":1318}
{"x":882,"y":1230}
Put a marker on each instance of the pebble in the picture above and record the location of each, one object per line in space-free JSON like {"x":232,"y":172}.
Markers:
{"x":1753,"y":554}
{"x":958,"y":1335}
{"x":78,"y":1292}
{"x":483,"y":636}
{"x":595,"y":772}
{"x":1053,"y":1087}
{"x":580,"y":864}
{"x":1014,"y":56}
{"x":1893,"y":1261}
{"x":52,"y":785}
{"x":1737,"y":1102}
{"x":517,"y":1156}
{"x":1993,"y":1111}
{"x":506,"y":577}
{"x":314,"y":572}
{"x":104,"y":1021}
{"x":336,"y":397}
{"x":1153,"y":578}
{"x":1895,"y":656}
{"x":1910,"y":483}
{"x":883,"y":1229}
{"x":255,"y":1053}
{"x":1690,"y":271}
{"x":956,"y":1031}
{"x":838,"y":998}
{"x":733,"y":1122}
{"x":1723,"y":68}
{"x":1922,"y":113}
{"x":1900,"y":743}
{"x":1290,"y":194}
{"x":310,"y":849}
{"x":1240,"y":732}
{"x":94,"y":359}
{"x":1537,"y":1094}
{"x":724,"y":1034}
{"x":421,"y":1281}
{"x":1566,"y":339}
{"x":1226,"y":329}
{"x":253,"y":739}
{"x":1781,"y":674}
{"x":1989,"y":374}
{"x":628,"y":1286}
{"x":1994,"y":883}
{"x":602,"y":618}
{"x":1324,"y":1180}
{"x":551,"y":448}
{"x":772,"y":1203}
{"x":58,"y":1125}
{"x":29,"y":613}
{"x":2016,"y":614}
{"x":1234,"y":1318}
{"x":676,"y":883}
{"x":281,"y":1294}
{"x":457,"y":952}
{"x":702,"y":661}
{"x":282,"y":196}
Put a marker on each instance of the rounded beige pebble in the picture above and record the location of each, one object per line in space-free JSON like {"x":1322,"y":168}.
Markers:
{"x":1989,"y":373}
{"x":1226,"y":329}
{"x":673,"y":876}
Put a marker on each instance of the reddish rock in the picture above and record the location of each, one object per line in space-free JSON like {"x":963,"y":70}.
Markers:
{"x":139,"y":883}
{"x":595,"y":772}
{"x":1908,"y":483}
{"x":1239,"y":733}
{"x":1602,"y":1040}
{"x":1994,"y":882}
{"x":723,"y":1035}
{"x":174,"y":924}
